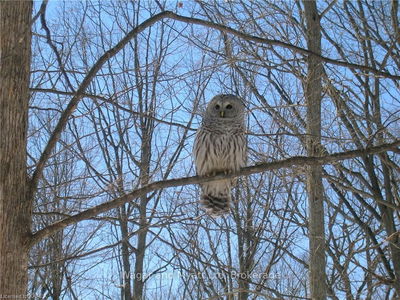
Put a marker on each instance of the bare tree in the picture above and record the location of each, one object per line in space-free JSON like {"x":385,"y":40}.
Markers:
{"x":117,"y":90}
{"x":313,"y":95}
{"x":15,"y":205}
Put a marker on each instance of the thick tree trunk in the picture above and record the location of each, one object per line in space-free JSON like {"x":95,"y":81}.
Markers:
{"x":15,"y":207}
{"x":313,"y":95}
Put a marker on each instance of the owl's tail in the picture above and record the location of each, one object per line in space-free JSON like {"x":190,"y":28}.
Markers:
{"x":216,"y":197}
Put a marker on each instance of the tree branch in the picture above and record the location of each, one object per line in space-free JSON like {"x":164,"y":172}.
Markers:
{"x":134,"y":32}
{"x":258,"y":168}
{"x":79,"y":95}
{"x":272,"y":42}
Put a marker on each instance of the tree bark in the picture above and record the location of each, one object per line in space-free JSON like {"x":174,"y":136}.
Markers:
{"x":313,"y":95}
{"x":15,"y":206}
{"x":125,"y":254}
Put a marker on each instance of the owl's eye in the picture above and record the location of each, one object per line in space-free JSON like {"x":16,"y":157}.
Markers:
{"x":229,"y":106}
{"x":217,"y":107}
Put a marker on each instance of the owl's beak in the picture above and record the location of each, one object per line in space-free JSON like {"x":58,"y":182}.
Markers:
{"x":222,"y":113}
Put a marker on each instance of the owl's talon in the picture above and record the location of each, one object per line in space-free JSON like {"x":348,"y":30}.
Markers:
{"x":228,"y":172}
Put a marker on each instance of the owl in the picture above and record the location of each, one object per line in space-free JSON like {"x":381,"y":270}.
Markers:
{"x":220,"y":146}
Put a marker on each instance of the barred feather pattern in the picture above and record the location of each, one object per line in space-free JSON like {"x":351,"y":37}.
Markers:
{"x":220,"y":146}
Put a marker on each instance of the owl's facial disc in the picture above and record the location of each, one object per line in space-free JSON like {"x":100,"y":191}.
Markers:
{"x":227,"y":107}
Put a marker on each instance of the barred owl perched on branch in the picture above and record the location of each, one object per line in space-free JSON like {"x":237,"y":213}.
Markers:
{"x":220,"y":145}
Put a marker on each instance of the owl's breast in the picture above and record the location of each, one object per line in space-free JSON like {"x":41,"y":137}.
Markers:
{"x":229,"y":152}
{"x":216,"y":152}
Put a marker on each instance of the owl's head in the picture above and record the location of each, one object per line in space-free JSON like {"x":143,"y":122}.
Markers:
{"x":225,"y":106}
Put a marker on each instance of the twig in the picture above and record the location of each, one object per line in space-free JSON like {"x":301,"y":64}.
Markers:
{"x":262,"y":167}
{"x":134,"y":32}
